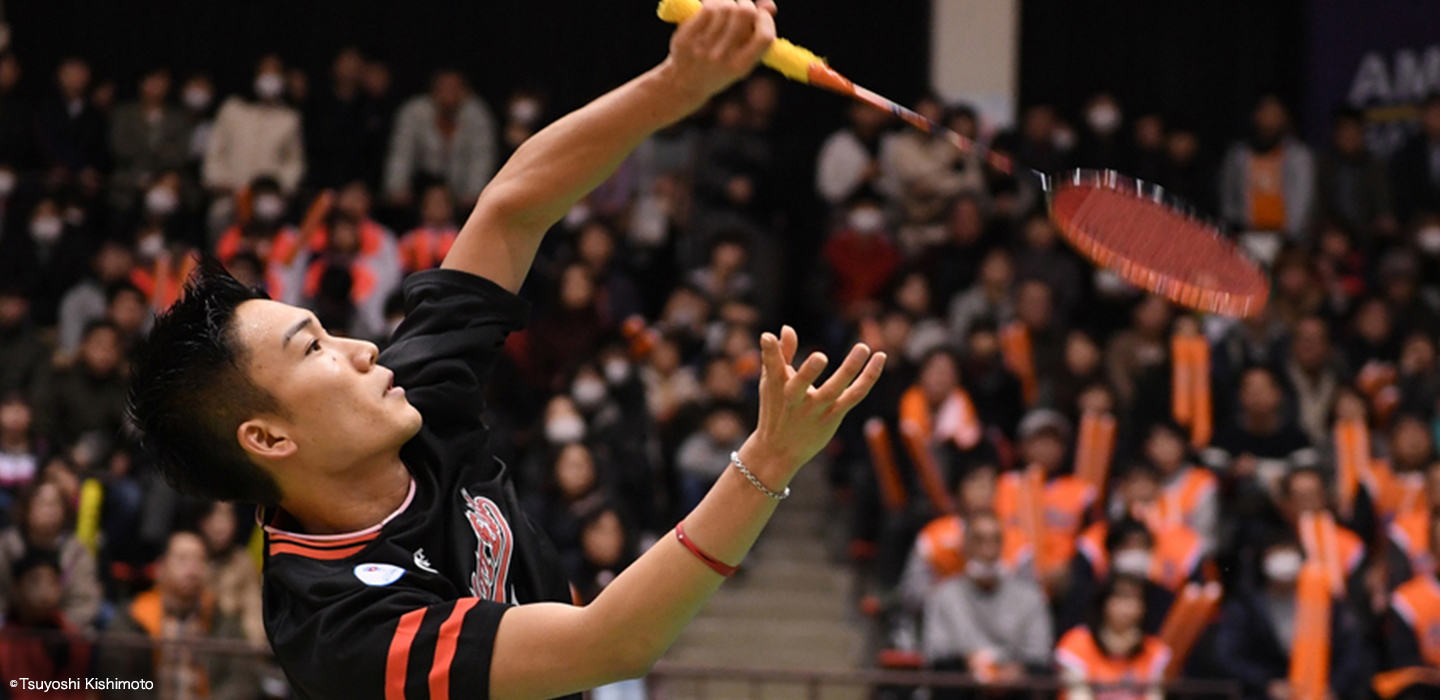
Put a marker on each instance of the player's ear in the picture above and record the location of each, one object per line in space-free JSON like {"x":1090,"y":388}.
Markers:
{"x":265,"y":439}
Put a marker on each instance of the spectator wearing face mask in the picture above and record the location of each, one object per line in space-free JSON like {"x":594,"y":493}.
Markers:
{"x":987,"y":621}
{"x":46,"y":255}
{"x":939,"y":553}
{"x":350,"y":241}
{"x":45,"y":521}
{"x":861,"y":258}
{"x":36,"y":641}
{"x":1268,"y":182}
{"x":1101,"y":144}
{"x":197,"y":97}
{"x":256,"y":137}
{"x":148,"y":137}
{"x":263,"y":231}
{"x":524,"y":115}
{"x":427,"y":244}
{"x":1047,"y":505}
{"x":448,"y":135}
{"x":1256,"y":641}
{"x":1164,"y":560}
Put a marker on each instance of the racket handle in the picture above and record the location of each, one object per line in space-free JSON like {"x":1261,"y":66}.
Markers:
{"x":794,"y":62}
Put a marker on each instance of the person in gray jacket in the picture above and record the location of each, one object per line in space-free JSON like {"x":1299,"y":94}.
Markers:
{"x":994,"y":625}
{"x":446,"y":135}
{"x":148,"y":137}
{"x":1267,"y":183}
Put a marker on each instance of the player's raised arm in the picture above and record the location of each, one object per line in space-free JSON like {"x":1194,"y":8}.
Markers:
{"x":565,"y":161}
{"x":546,"y":650}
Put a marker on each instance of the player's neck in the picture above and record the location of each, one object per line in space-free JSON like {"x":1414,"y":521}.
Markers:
{"x":353,"y":500}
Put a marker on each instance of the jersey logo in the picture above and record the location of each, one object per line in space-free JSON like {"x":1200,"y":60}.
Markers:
{"x":378,"y":574}
{"x":422,"y":562}
{"x":493,"y":544}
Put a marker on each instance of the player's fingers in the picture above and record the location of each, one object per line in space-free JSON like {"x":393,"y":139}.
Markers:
{"x":772,"y":368}
{"x":789,"y":343}
{"x":863,"y":384}
{"x":768,"y":7}
{"x":697,"y":29}
{"x":738,"y":26}
{"x":809,"y":371}
{"x":849,"y":369}
{"x":762,"y":37}
{"x":715,"y":28}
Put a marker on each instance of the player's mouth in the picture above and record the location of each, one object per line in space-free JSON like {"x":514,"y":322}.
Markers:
{"x":391,"y":389}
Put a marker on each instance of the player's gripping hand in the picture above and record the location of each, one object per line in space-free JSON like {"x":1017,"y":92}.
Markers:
{"x":721,"y":44}
{"x":797,"y":419}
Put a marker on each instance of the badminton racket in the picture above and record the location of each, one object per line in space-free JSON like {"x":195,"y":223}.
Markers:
{"x":1130,"y":227}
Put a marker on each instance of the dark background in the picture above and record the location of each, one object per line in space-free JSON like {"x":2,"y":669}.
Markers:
{"x":1201,"y":62}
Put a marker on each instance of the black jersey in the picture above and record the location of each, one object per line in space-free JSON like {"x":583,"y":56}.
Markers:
{"x":409,"y":607}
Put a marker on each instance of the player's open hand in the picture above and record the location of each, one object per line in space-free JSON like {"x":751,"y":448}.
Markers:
{"x":797,"y":419}
{"x":721,"y":44}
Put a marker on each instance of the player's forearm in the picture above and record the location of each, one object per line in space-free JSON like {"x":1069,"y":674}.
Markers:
{"x":649,"y":604}
{"x":566,"y":160}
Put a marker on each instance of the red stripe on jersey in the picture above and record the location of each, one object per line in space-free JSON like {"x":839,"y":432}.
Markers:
{"x":324,"y":554}
{"x":399,"y":656}
{"x":318,"y":542}
{"x":445,"y":649}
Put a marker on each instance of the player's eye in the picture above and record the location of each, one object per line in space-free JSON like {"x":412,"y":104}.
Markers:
{"x":314,"y":347}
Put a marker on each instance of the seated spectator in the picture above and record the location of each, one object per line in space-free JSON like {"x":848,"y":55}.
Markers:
{"x":605,"y":551}
{"x":1260,"y":442}
{"x":1163,"y":560}
{"x":705,"y":454}
{"x":910,"y":293}
{"x":425,"y":246}
{"x":954,"y":264}
{"x":1313,"y":374}
{"x":1352,"y":185}
{"x":1373,"y":341}
{"x":571,"y":488}
{"x":1409,"y":548}
{"x":726,"y":276}
{"x":44,"y":255}
{"x":261,"y":230}
{"x":1256,"y":641}
{"x":37,"y":643}
{"x":21,"y":449}
{"x":181,"y":607}
{"x":447,"y":135}
{"x":1415,"y":168}
{"x":1043,"y":257}
{"x":88,"y":398}
{"x":1400,"y":285}
{"x":1136,"y":350}
{"x":345,"y":129}
{"x":1304,"y":504}
{"x":1081,"y":370}
{"x":256,"y":137}
{"x":86,"y":301}
{"x":233,"y":577}
{"x":1419,"y":368}
{"x":669,"y":385}
{"x":45,"y":521}
{"x":1111,"y":656}
{"x":861,"y":258}
{"x":995,"y":390}
{"x":148,"y":137}
{"x":1034,"y":343}
{"x":596,"y":248}
{"x":128,"y":310}
{"x":70,"y":130}
{"x":1101,"y":144}
{"x":1410,"y":657}
{"x":1268,"y":182}
{"x":1190,"y":494}
{"x":987,"y":621}
{"x":1048,"y":506}
{"x":923,"y":174}
{"x":939,"y":551}
{"x":366,"y":254}
{"x":571,"y":332}
{"x":1187,"y":171}
{"x":848,"y":163}
{"x":988,"y":298}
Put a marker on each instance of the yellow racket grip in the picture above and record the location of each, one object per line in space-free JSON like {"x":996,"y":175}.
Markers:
{"x":790,"y":60}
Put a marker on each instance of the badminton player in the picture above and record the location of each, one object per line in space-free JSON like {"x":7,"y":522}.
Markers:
{"x":398,"y":562}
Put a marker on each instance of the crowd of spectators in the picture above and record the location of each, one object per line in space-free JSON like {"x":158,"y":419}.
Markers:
{"x":1051,"y":458}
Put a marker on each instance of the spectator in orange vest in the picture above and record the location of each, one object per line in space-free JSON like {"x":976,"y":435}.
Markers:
{"x":1111,"y":657}
{"x":1411,"y":652}
{"x":1127,"y":547}
{"x":1305,"y":506}
{"x":1189,"y":493}
{"x":1046,"y":505}
{"x":426,"y":245}
{"x":1409,"y":552}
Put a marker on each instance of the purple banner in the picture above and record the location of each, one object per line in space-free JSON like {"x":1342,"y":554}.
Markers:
{"x":1381,"y":56}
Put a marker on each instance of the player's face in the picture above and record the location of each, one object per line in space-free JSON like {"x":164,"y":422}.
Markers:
{"x":339,"y":407}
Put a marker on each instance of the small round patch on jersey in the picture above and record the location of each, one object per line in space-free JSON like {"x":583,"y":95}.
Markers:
{"x":378,"y":574}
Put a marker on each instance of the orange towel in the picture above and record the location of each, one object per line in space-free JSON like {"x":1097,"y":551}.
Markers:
{"x":1193,"y":611}
{"x":882,"y":456}
{"x":1019,"y":356}
{"x":930,"y":478}
{"x":1190,"y":387}
{"x":1352,"y":456}
{"x":1095,"y":448}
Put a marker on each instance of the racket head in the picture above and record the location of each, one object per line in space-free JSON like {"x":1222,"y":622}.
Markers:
{"x":1155,"y":241}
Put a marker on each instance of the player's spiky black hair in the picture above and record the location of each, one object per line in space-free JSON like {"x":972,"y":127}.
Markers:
{"x":189,"y":392}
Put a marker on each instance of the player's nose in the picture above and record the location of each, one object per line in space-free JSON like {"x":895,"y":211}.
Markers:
{"x":365,"y":355}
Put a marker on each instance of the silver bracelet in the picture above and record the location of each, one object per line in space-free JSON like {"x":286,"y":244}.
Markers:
{"x":735,"y":459}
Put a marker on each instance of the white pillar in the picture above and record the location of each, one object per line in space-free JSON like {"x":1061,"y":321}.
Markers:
{"x":975,"y":55}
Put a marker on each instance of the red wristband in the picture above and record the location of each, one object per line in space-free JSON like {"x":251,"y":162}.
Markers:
{"x":715,"y":565}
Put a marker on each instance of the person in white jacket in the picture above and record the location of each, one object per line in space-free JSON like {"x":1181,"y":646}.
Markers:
{"x":256,"y":137}
{"x":447,"y":134}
